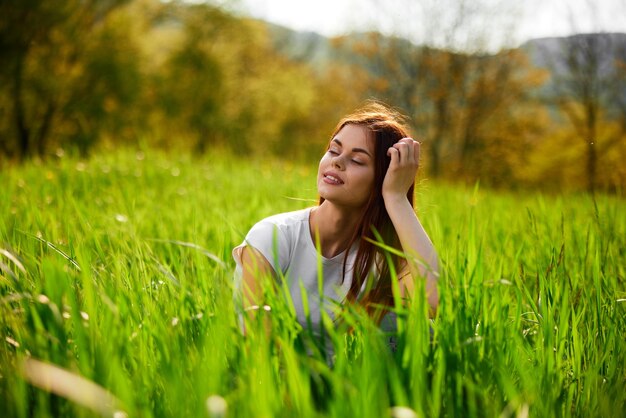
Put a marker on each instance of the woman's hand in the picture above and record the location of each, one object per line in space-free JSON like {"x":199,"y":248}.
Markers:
{"x":402,"y":170}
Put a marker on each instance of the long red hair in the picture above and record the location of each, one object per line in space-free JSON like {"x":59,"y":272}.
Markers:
{"x":386,"y":127}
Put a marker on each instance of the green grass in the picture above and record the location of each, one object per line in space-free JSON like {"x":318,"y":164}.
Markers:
{"x":96,"y":279}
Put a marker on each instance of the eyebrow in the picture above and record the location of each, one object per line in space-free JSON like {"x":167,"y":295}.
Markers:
{"x":353,"y":149}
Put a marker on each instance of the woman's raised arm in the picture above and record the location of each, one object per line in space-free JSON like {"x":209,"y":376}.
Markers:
{"x":413,"y":238}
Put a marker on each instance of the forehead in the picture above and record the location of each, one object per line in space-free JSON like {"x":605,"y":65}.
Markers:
{"x":356,"y":136}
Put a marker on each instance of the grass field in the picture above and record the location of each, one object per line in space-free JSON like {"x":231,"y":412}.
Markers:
{"x":118,"y":270}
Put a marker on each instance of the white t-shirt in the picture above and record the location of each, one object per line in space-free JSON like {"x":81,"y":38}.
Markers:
{"x":297,"y":260}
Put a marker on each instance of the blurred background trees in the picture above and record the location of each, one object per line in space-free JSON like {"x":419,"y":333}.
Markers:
{"x":588,"y":92}
{"x":87,"y":75}
{"x":63,"y":70}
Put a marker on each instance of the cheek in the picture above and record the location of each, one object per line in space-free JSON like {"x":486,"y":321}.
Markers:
{"x":324,"y":160}
{"x":367,"y":179}
{"x":321,"y":164}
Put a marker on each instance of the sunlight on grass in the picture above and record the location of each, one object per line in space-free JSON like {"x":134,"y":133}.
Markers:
{"x":116,"y":279}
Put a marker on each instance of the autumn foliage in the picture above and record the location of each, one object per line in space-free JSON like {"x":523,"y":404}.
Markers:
{"x":89,"y":75}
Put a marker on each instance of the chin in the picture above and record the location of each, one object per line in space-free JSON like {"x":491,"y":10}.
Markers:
{"x":331,"y":197}
{"x":327,"y":192}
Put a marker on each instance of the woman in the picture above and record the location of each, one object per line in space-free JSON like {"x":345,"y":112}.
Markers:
{"x":365,"y":183}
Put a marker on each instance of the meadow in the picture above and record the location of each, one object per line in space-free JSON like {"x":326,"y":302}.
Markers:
{"x":116,"y":300}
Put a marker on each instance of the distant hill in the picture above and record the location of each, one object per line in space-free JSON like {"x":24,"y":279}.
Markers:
{"x":319,"y":51}
{"x":596,"y":53}
{"x":309,"y":47}
{"x":545,"y":52}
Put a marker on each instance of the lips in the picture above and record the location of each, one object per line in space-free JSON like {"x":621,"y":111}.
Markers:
{"x":332,"y":178}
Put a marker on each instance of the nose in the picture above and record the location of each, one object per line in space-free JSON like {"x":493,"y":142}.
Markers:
{"x":337,"y":162}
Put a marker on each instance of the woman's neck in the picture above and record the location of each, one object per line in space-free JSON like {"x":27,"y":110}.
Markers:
{"x":335,"y":226}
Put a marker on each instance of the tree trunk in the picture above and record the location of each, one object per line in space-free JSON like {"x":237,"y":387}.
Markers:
{"x":23,"y":133}
{"x":438,"y":138}
{"x":44,"y":129}
{"x":592,"y":155}
{"x":435,"y":169}
{"x":591,"y":166}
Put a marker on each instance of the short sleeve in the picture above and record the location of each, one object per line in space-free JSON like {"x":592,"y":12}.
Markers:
{"x":267,"y":238}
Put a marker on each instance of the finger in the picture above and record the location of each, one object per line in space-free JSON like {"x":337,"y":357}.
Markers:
{"x":413,"y":151}
{"x":410,"y":156}
{"x":402,"y":150}
{"x":395,"y":156}
{"x":416,"y":152}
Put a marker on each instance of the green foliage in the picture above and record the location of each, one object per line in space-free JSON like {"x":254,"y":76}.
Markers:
{"x":118,"y":269}
{"x":53,"y":74}
{"x":84,"y":75}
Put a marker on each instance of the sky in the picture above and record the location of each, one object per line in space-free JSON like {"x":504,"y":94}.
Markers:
{"x":510,"y":22}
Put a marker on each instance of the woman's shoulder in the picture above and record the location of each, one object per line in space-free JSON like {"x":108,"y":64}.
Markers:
{"x":287,"y":219}
{"x":283,"y":229}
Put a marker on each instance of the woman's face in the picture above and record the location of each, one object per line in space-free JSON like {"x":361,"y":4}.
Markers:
{"x":346,"y":172}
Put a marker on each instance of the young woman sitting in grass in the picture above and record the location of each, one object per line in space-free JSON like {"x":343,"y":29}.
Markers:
{"x":365,"y":182}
